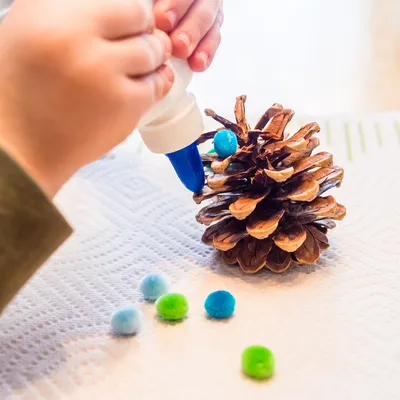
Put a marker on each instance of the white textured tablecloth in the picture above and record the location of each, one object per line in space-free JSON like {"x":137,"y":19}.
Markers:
{"x":334,"y":327}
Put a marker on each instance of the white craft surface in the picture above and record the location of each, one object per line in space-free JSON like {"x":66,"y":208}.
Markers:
{"x":334,"y":327}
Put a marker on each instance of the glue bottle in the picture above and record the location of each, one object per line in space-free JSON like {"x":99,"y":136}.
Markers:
{"x":172,"y":127}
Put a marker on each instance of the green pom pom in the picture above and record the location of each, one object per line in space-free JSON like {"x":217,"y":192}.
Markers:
{"x":258,"y":362}
{"x":172,"y":306}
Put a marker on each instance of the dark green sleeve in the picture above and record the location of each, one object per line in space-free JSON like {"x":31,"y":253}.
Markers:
{"x":31,"y":228}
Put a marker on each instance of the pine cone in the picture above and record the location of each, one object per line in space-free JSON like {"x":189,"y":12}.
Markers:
{"x":267,"y":207}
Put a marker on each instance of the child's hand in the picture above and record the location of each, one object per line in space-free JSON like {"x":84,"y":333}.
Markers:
{"x":194,"y":27}
{"x":75,"y":78}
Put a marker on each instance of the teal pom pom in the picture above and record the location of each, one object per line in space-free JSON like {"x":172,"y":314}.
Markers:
{"x":153,"y":286}
{"x":127,"y":320}
{"x":220,"y":304}
{"x":225,"y":143}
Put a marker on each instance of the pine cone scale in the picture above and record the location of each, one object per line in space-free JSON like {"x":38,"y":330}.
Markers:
{"x":318,"y":160}
{"x":292,"y":240}
{"x":244,"y":206}
{"x":264,"y":224}
{"x":280,"y":176}
{"x":278,"y":260}
{"x":228,"y":237}
{"x":309,"y":252}
{"x":253,"y":254}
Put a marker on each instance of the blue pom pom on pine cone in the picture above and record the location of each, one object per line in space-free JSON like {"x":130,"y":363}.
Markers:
{"x":225,"y":143}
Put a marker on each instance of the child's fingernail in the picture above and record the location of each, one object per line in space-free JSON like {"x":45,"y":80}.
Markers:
{"x":168,"y":73}
{"x":171,"y":18}
{"x":184,"y":38}
{"x":164,"y":39}
{"x":203,"y":56}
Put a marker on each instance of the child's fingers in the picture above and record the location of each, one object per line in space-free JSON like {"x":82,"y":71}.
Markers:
{"x":123,"y":18}
{"x":152,"y":87}
{"x":141,"y":54}
{"x":205,"y":52}
{"x":194,"y":26}
{"x":168,"y":13}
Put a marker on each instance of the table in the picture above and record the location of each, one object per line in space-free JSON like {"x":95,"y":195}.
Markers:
{"x":333,"y":327}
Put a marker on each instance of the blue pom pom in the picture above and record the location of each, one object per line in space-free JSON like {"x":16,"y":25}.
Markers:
{"x":127,"y":320}
{"x":220,"y":304}
{"x":153,"y":286}
{"x":225,"y":143}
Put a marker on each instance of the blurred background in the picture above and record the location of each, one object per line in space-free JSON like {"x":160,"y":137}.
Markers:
{"x":316,"y":57}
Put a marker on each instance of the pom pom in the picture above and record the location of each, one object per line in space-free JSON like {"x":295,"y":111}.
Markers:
{"x":258,"y":362}
{"x":127,"y":320}
{"x":225,"y":143}
{"x":172,"y":306}
{"x":220,"y":304}
{"x":153,"y":286}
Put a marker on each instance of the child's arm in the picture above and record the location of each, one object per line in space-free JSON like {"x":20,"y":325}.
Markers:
{"x":75,"y":78}
{"x":31,"y":228}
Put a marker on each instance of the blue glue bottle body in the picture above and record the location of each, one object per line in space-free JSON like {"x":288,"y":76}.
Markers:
{"x":172,"y":127}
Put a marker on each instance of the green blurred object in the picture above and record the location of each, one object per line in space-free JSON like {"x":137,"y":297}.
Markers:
{"x":258,"y":362}
{"x":172,"y":306}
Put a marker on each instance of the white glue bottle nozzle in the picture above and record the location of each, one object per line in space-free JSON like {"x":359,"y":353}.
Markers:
{"x":172,"y":127}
